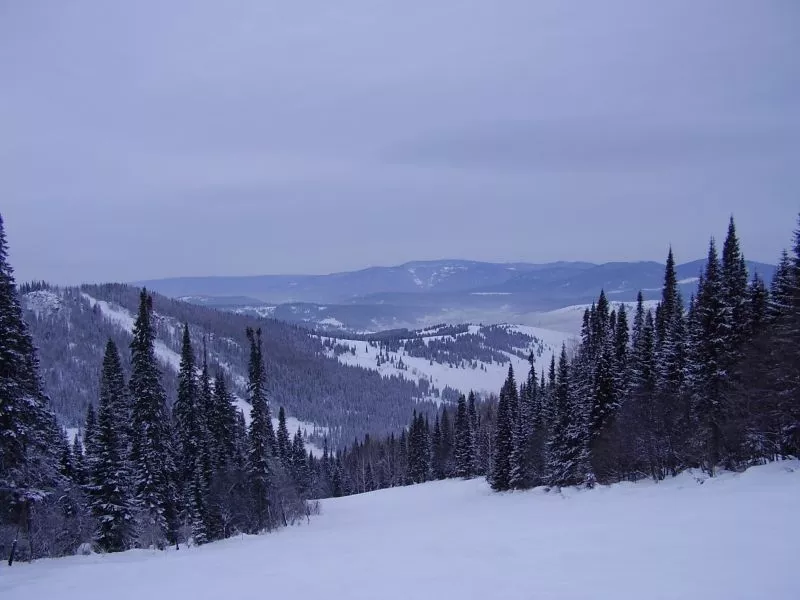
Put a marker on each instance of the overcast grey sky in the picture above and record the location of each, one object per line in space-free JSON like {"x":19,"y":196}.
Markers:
{"x":159,"y":138}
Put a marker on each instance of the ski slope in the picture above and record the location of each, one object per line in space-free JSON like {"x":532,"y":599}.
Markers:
{"x":486,"y":380}
{"x":733,"y":537}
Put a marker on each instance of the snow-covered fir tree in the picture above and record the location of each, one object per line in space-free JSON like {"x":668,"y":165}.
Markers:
{"x":111,"y":488}
{"x":261,"y":444}
{"x":154,"y":471}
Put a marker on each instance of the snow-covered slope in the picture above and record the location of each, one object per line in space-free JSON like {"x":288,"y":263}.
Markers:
{"x":42,"y":302}
{"x":570,"y":318}
{"x":733,"y":537}
{"x":478,"y":375}
{"x":121,"y":317}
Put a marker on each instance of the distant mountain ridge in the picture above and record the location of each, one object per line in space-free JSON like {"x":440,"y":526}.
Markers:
{"x":419,"y":293}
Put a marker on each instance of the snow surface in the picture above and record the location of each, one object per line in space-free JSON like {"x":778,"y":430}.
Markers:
{"x":332,"y":322}
{"x":261,"y":311}
{"x":733,"y":537}
{"x":42,"y":302}
{"x":440,"y":375}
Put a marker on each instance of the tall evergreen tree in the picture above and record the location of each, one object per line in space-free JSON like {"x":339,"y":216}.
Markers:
{"x":284,"y":443}
{"x":299,"y":466}
{"x":708,"y":363}
{"x":464,"y":444}
{"x":500,"y":477}
{"x":90,"y":438}
{"x":436,"y":449}
{"x":78,"y":465}
{"x":621,"y":353}
{"x":734,"y":294}
{"x":419,"y":449}
{"x":260,"y":469}
{"x":111,"y":492}
{"x":446,"y":448}
{"x":781,"y":287}
{"x":472,"y":414}
{"x":566,"y":448}
{"x":190,"y":432}
{"x":222,"y":425}
{"x":151,"y":451}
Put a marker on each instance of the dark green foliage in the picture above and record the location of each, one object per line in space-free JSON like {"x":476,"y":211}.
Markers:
{"x":110,"y":488}
{"x":284,"y":443}
{"x":34,"y":470}
{"x":154,"y":472}
{"x":190,"y":415}
{"x":419,"y":449}
{"x":464,"y":440}
{"x":261,"y":440}
{"x":507,"y":413}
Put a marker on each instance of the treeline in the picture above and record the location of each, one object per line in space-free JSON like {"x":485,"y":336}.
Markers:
{"x":713,"y":385}
{"x":457,"y":443}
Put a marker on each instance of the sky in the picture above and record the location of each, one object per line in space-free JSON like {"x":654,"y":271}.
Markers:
{"x":154,"y":139}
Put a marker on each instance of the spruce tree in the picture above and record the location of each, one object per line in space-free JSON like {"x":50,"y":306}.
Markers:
{"x":419,"y":450}
{"x":89,"y":438}
{"x":566,"y":447}
{"x":111,"y":492}
{"x":668,"y":412}
{"x":446,"y":444}
{"x":781,"y":289}
{"x":78,"y":464}
{"x":500,"y":477}
{"x":205,"y":405}
{"x":758,"y":304}
{"x":472,"y":413}
{"x":524,"y":427}
{"x":436,"y":450}
{"x":151,"y":451}
{"x":260,"y":471}
{"x":190,"y":432}
{"x":222,"y":425}
{"x":301,"y":474}
{"x":464,"y":446}
{"x":709,"y":374}
{"x":284,"y":443}
{"x":31,"y":443}
{"x":621,"y":353}
{"x":734,"y":294}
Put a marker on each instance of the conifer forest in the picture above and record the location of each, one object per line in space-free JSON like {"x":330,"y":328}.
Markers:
{"x":707,"y":382}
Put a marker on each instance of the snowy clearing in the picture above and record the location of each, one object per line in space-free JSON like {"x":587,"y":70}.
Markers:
{"x":732,"y":537}
{"x":486,"y":380}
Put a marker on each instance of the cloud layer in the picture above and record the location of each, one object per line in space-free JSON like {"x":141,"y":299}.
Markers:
{"x":154,"y":138}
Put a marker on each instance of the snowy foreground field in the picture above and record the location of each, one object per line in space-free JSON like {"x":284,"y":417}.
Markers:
{"x":731,"y":537}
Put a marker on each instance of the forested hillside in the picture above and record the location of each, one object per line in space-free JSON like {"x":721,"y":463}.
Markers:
{"x":646,"y":394}
{"x":70,"y":328}
{"x":711,"y":386}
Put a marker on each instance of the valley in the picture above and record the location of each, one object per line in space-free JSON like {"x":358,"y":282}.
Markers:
{"x":421,"y":294}
{"x":417,"y":370}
